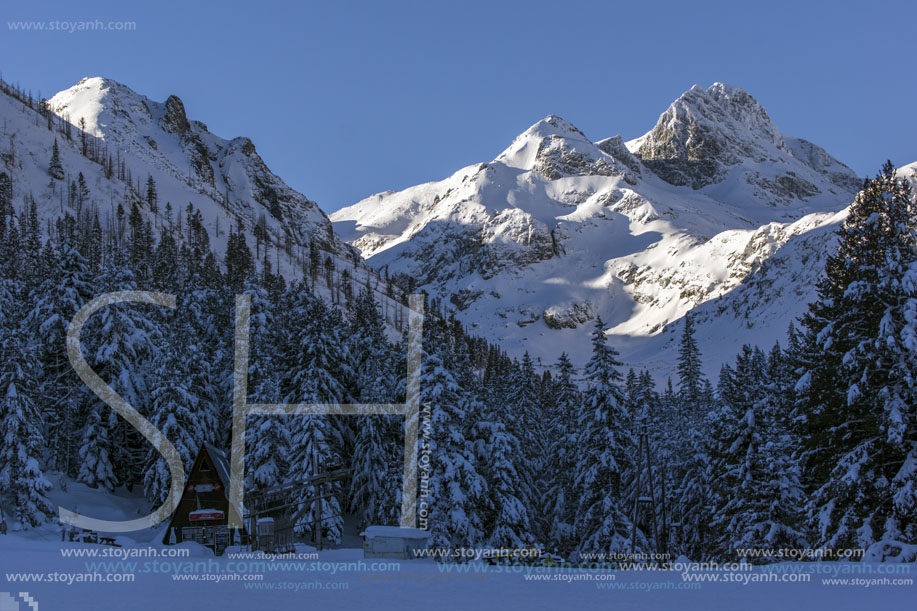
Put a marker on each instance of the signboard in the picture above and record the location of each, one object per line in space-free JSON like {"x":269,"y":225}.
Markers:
{"x":205,"y":514}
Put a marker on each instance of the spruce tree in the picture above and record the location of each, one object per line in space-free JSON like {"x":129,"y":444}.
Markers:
{"x":507,"y":523}
{"x":690,"y":376}
{"x":856,"y":398}
{"x":174,"y":410}
{"x":152,"y":196}
{"x":754,"y":482}
{"x":119,"y":343}
{"x":55,"y":169}
{"x":456,"y":488}
{"x":95,"y":453}
{"x":21,"y":476}
{"x":55,"y":301}
{"x":376,"y":448}
{"x":607,"y":447}
{"x":563,"y":457}
{"x":311,"y":363}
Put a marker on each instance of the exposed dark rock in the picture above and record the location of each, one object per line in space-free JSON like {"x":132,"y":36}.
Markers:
{"x":569,"y":316}
{"x":704,"y":132}
{"x":555,"y":160}
{"x":175,"y":119}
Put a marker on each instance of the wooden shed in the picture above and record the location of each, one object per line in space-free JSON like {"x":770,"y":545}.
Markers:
{"x":394,"y":542}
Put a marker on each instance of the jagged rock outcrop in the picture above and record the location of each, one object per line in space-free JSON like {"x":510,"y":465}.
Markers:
{"x":175,"y":120}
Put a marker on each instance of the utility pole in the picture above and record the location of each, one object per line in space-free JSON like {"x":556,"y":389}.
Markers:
{"x":644,"y":498}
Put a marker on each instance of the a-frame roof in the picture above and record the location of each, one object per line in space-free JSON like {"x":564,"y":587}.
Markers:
{"x":220,"y":463}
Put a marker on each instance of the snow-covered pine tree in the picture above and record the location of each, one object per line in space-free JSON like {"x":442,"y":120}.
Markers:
{"x":174,"y":409}
{"x":690,"y":375}
{"x":754,"y":484}
{"x":857,"y":397}
{"x":376,"y":448}
{"x":119,"y":343}
{"x":55,"y":170}
{"x":456,"y":487}
{"x":506,"y":522}
{"x":267,"y":460}
{"x":205,"y":312}
{"x":525,"y":421}
{"x":687,"y":410}
{"x":56,"y":300}
{"x":607,"y":447}
{"x":497,"y":451}
{"x":563,"y":457}
{"x":21,"y":477}
{"x":96,"y":470}
{"x":311,"y":363}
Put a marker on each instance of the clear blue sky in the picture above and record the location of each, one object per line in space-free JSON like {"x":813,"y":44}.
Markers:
{"x":344,"y":98}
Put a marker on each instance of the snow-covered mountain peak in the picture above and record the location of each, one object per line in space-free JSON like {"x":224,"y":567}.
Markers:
{"x":909,"y":173}
{"x":553,"y":125}
{"x":704,"y":132}
{"x":555,"y":148}
{"x":559,"y":229}
{"x":722,"y":140}
{"x":112,"y":111}
{"x":96,"y":100}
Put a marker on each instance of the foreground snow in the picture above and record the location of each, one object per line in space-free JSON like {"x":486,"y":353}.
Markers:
{"x":143,"y":574}
{"x":342,"y":579}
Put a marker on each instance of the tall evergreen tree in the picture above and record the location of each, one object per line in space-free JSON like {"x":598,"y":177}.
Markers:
{"x":95,"y":453}
{"x":174,"y":411}
{"x":564,"y":457}
{"x":376,"y":447}
{"x":55,"y":169}
{"x":56,"y":300}
{"x":856,"y":397}
{"x":22,"y":448}
{"x":690,"y":376}
{"x":268,"y":437}
{"x":119,"y":344}
{"x":607,"y":447}
{"x":456,"y":487}
{"x":311,"y":364}
{"x":755,"y":485}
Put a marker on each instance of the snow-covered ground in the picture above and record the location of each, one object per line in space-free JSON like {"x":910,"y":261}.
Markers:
{"x":143,"y":574}
{"x":342,"y":579}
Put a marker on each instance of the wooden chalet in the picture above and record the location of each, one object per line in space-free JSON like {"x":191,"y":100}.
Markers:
{"x":202,"y":514}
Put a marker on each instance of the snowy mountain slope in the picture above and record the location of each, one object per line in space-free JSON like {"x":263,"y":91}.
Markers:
{"x":558,"y":229}
{"x":757,"y":311}
{"x":225,"y":180}
{"x":909,"y":173}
